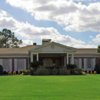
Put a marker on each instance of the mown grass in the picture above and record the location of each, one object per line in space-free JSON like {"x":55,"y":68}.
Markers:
{"x":85,"y":87}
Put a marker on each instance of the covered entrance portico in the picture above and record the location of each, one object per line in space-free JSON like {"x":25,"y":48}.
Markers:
{"x":53,"y":54}
{"x":50,"y":60}
{"x":53,"y":59}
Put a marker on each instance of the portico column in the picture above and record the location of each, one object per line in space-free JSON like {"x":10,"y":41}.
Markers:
{"x":80,"y":62}
{"x":72,"y":58}
{"x":85,"y":64}
{"x":93,"y":63}
{"x":37,"y":57}
{"x":67,"y":58}
{"x":31,"y":57}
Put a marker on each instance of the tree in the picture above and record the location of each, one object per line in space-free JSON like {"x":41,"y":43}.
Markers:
{"x":98,"y":49}
{"x":8,"y":39}
{"x":97,"y":67}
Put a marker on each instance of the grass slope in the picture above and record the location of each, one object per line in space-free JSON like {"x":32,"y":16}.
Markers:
{"x":50,"y":87}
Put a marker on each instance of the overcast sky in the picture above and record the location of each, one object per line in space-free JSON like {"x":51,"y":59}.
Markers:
{"x":74,"y":23}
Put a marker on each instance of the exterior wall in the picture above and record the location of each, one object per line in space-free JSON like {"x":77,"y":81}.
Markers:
{"x":86,"y":63}
{"x":20,"y":64}
{"x":98,"y":61}
{"x":7,"y":64}
{"x":14,"y":64}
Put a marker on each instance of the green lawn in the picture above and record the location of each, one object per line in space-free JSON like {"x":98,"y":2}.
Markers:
{"x":86,"y":87}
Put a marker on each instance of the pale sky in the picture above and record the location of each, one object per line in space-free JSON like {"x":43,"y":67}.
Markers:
{"x":74,"y":23}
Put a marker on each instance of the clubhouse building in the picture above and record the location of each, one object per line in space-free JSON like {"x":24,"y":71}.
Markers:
{"x":50,"y":53}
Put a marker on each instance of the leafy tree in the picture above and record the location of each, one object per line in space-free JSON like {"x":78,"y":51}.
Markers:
{"x":97,"y":66}
{"x":8,"y":39}
{"x":98,"y":49}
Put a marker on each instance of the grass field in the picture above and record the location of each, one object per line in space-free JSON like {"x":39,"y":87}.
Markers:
{"x":86,"y":87}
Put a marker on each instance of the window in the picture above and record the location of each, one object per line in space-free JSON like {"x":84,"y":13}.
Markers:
{"x":7,"y":64}
{"x":20,"y":64}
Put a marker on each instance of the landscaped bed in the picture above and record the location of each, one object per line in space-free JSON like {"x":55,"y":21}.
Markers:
{"x":81,"y":87}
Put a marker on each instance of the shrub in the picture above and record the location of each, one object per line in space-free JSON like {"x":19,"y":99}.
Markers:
{"x":26,"y":72}
{"x":42,"y":71}
{"x":64,"y":71}
{"x":32,"y":71}
{"x":71,"y":66}
{"x":35,"y":65}
{"x":97,"y":69}
{"x":5,"y":73}
{"x":55,"y":71}
{"x":50,"y":69}
{"x":76,"y":71}
{"x":1,"y":69}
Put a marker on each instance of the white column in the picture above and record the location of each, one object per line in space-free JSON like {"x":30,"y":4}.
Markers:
{"x":85,"y":64}
{"x":67,"y":58}
{"x":37,"y":57}
{"x":31,"y":57}
{"x":15,"y":65}
{"x":80,"y":63}
{"x":93,"y":63}
{"x":10,"y":61}
{"x":72,"y":58}
{"x":65,"y":61}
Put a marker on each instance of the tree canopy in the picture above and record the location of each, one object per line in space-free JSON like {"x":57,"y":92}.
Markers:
{"x":8,"y":39}
{"x":98,"y":49}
